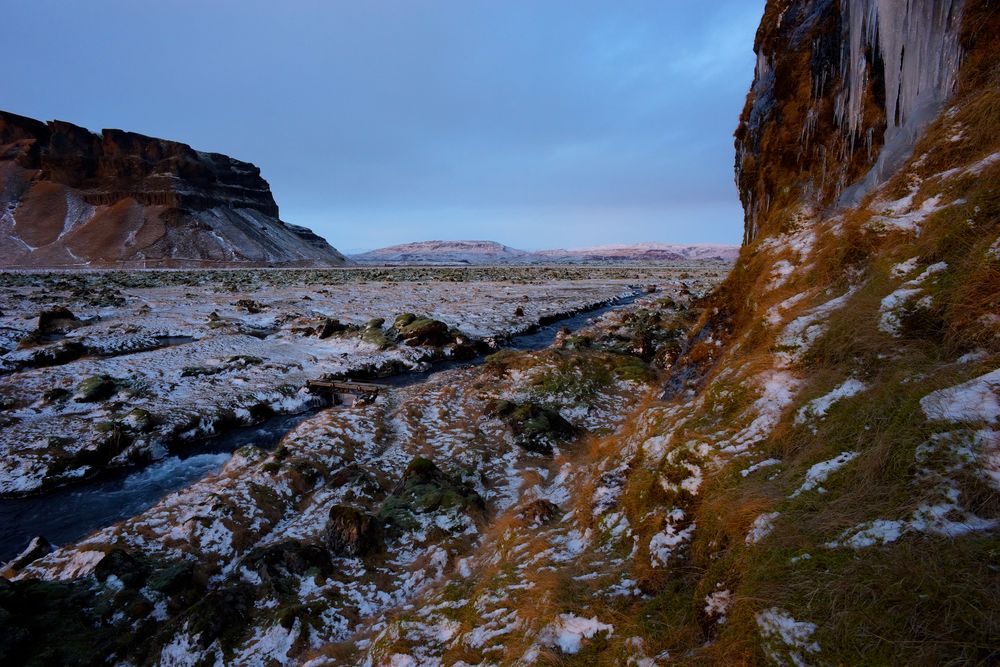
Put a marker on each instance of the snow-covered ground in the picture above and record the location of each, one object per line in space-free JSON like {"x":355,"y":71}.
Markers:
{"x":185,"y":355}
{"x":250,"y":526}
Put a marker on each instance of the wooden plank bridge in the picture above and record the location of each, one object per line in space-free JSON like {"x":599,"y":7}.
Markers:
{"x":339,"y":390}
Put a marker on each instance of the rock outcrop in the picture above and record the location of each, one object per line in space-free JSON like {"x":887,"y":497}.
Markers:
{"x":841,"y":92}
{"x":72,"y":198}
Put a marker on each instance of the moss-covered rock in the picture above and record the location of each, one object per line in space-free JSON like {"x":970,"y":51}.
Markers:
{"x":376,"y":337}
{"x":403,"y":320}
{"x":424,"y":331}
{"x":95,"y":388}
{"x":138,"y":419}
{"x":535,"y":428}
{"x":425,"y":488}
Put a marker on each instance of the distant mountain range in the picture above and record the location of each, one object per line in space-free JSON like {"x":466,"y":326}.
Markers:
{"x":482,"y":253}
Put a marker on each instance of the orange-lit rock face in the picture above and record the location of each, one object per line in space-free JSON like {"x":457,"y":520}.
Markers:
{"x":841,"y":92}
{"x":69,"y":197}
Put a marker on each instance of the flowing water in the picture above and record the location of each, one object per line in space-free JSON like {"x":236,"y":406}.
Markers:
{"x":65,"y":515}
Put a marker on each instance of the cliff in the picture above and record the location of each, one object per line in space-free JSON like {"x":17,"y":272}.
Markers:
{"x":841,"y":92}
{"x":69,"y":197}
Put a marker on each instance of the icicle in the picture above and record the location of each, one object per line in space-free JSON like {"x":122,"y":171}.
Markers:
{"x":917,"y":42}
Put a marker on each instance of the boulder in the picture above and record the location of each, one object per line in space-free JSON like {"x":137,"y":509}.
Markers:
{"x":58,"y":354}
{"x":425,"y":488}
{"x":250,"y":306}
{"x":95,"y":388}
{"x":425,"y":331}
{"x":121,"y":564}
{"x":535,"y":427}
{"x":138,"y":419}
{"x":403,"y":320}
{"x":56,"y":320}
{"x":376,"y":337}
{"x":329,"y":326}
{"x":351,"y":532}
{"x":288,"y":557}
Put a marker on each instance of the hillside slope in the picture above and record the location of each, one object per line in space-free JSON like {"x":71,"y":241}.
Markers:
{"x":71,"y":198}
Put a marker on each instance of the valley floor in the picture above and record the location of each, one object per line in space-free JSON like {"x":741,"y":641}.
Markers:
{"x":313,"y":548}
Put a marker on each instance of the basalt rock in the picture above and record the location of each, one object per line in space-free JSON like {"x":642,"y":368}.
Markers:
{"x":70,"y":197}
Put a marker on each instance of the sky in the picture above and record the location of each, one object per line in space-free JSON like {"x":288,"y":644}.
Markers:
{"x":535,"y":123}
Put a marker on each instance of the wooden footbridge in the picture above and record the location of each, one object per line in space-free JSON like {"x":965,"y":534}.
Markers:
{"x":346,"y":391}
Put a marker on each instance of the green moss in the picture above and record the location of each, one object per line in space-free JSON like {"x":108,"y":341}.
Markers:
{"x":95,"y":388}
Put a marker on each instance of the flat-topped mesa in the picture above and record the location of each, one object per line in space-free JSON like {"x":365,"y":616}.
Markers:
{"x":841,"y":92}
{"x":71,"y":197}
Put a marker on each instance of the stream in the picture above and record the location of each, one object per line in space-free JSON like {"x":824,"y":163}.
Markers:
{"x":65,"y":515}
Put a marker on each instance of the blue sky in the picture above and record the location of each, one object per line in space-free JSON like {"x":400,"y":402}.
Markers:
{"x":539,"y":123}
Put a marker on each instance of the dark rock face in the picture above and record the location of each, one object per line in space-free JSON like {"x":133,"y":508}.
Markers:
{"x":69,"y":197}
{"x":840,"y":93}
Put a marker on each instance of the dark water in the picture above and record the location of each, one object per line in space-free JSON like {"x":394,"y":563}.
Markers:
{"x":536,"y":340}
{"x":68,"y":514}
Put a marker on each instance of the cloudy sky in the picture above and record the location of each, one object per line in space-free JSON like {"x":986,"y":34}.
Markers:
{"x":537,"y":123}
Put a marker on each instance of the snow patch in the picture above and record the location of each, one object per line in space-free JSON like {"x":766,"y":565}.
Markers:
{"x":568,"y":631}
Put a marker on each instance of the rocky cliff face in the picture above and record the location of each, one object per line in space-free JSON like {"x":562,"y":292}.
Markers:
{"x":69,"y":197}
{"x":842,"y":91}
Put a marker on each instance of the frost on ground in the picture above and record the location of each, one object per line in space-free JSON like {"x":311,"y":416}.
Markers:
{"x":818,"y":473}
{"x":762,"y":527}
{"x":569,"y":631}
{"x":972,"y":401}
{"x":106,"y":370}
{"x":407,"y":531}
{"x":817,"y":408}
